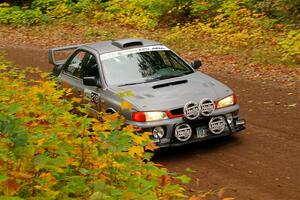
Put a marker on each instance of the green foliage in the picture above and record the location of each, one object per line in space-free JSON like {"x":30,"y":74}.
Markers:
{"x":285,"y":10}
{"x":46,"y":152}
{"x":86,"y":7}
{"x":138,"y":13}
{"x":16,"y":15}
{"x":236,"y":28}
{"x":53,"y":8}
{"x":291,"y":46}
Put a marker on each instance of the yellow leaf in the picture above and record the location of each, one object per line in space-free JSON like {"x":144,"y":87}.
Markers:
{"x":41,"y":142}
{"x":118,"y":165}
{"x":112,"y":117}
{"x":102,"y":165}
{"x":126,"y":105}
{"x":138,"y":139}
{"x":151,"y":147}
{"x":3,"y":67}
{"x":44,"y":175}
{"x":129,"y":128}
{"x":130,"y":195}
{"x":136,"y":150}
{"x":98,"y":127}
{"x":39,"y":187}
{"x":44,"y":74}
{"x":228,"y":198}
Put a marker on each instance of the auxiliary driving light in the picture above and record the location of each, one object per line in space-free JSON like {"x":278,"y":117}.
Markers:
{"x":229,"y":118}
{"x":158,"y":132}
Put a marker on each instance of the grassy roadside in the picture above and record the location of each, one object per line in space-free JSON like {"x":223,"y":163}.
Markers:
{"x":258,"y":63}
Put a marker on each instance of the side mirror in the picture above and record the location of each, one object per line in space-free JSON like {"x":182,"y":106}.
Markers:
{"x":56,"y":70}
{"x":91,"y":81}
{"x":196,"y":64}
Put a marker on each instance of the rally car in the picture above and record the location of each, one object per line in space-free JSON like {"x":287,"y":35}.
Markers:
{"x":169,"y":97}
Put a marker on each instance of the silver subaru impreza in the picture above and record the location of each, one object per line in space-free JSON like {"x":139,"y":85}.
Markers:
{"x":168,"y":96}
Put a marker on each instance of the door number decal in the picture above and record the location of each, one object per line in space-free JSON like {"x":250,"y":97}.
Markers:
{"x":93,"y":96}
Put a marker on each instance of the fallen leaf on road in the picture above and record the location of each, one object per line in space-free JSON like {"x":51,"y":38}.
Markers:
{"x":189,"y":170}
{"x":268,"y":102}
{"x":292,"y":105}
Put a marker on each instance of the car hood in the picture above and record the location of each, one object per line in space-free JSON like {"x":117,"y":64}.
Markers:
{"x":174,"y":92}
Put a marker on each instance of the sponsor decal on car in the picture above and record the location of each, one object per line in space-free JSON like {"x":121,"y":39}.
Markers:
{"x":217,"y":125}
{"x":131,"y":51}
{"x":193,"y":110}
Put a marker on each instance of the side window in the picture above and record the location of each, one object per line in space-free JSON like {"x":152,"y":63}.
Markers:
{"x":75,"y":65}
{"x":90,"y":67}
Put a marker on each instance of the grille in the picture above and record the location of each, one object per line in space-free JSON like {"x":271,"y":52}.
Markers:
{"x":178,"y":111}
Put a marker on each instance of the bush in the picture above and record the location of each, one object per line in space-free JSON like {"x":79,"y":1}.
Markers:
{"x":16,"y":15}
{"x":53,"y":8}
{"x":290,"y":46}
{"x":233,"y":27}
{"x":138,"y":13}
{"x":46,"y":152}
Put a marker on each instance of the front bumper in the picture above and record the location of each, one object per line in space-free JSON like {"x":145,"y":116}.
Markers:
{"x":239,"y":125}
{"x":201,"y":124}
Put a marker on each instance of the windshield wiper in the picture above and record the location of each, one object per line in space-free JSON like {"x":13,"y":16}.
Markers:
{"x":134,"y":83}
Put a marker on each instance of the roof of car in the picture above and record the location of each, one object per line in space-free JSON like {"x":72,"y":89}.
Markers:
{"x":122,"y":44}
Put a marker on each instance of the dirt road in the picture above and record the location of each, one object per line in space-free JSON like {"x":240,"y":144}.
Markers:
{"x":261,"y":163}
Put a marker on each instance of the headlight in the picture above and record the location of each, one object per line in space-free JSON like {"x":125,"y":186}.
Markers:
{"x":148,"y":116}
{"x":158,"y":132}
{"x":227,"y":101}
{"x":153,"y":116}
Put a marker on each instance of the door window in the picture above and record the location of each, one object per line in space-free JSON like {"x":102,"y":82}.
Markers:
{"x":90,"y":67}
{"x":75,"y":65}
{"x":83,"y":64}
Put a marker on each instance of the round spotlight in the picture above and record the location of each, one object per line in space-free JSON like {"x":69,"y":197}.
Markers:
{"x":216,"y":125}
{"x":183,"y":132}
{"x":158,"y":132}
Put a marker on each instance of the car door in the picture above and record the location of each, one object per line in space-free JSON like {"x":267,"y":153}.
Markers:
{"x":92,"y":94}
{"x":83,"y":64}
{"x":71,"y":73}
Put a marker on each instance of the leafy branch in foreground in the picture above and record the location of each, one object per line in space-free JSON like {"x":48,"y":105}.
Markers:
{"x":47,"y":152}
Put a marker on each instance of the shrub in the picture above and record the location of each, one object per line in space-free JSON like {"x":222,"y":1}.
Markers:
{"x":138,"y":13}
{"x":290,"y":46}
{"x":16,"y":15}
{"x":53,"y":8}
{"x":233,"y":27}
{"x":46,"y":152}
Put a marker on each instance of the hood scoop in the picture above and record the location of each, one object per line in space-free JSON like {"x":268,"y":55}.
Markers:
{"x":169,"y":84}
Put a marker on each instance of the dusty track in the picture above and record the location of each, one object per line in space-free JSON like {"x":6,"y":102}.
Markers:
{"x":261,"y":163}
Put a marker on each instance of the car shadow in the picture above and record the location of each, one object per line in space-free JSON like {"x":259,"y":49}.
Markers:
{"x":195,"y":149}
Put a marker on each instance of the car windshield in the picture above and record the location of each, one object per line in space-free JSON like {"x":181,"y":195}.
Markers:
{"x":142,"y":67}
